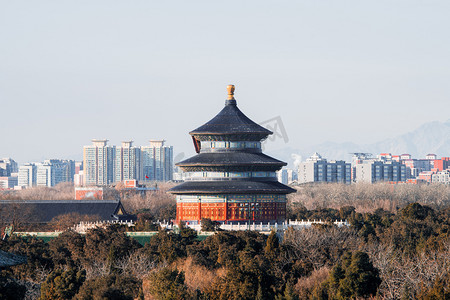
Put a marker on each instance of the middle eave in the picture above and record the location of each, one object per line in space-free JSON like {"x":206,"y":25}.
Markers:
{"x":231,"y":159}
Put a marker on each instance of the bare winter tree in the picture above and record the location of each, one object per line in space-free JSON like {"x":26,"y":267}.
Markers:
{"x":153,"y":201}
{"x":62,"y":191}
{"x":321,"y":247}
{"x":136,"y":264}
{"x":405,"y":275}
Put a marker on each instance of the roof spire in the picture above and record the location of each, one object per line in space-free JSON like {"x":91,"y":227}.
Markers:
{"x":230,"y":89}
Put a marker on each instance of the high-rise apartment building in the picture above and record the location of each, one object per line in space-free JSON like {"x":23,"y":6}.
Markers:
{"x":128,"y":162}
{"x":441,"y":164}
{"x":157,"y":161}
{"x":54,"y":171}
{"x":27,"y":175}
{"x":44,"y":175}
{"x":318,"y":169}
{"x":8,"y":166}
{"x":376,"y":171}
{"x":98,"y":163}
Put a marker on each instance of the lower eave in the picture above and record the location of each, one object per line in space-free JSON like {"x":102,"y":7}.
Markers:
{"x":232,"y":187}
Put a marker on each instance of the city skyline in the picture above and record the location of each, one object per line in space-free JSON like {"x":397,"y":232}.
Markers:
{"x":279,"y":145}
{"x":71,"y":71}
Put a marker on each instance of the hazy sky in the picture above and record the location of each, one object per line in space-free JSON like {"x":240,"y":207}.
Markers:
{"x":357,"y":71}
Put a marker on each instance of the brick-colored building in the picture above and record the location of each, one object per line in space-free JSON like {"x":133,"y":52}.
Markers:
{"x":442,"y":164}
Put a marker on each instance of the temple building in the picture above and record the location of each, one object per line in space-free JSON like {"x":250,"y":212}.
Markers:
{"x":230,"y":179}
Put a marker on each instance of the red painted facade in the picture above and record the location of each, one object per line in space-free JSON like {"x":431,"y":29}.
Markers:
{"x":442,"y":164}
{"x":239,"y":212}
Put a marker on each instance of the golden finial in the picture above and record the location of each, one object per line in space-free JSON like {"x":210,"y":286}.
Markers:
{"x":230,"y":89}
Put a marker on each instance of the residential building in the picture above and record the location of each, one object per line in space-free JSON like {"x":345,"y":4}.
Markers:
{"x":78,"y":166}
{"x":45,"y":175}
{"x":128,"y":162}
{"x":78,"y":179}
{"x":54,"y":171}
{"x":157,"y":161}
{"x":8,"y":182}
{"x":98,"y":163}
{"x":8,"y":166}
{"x":426,"y":176}
{"x":405,"y":156}
{"x":441,"y":177}
{"x":27,"y":175}
{"x":442,"y":164}
{"x":416,"y":166}
{"x":318,"y":169}
{"x":372,"y":171}
{"x":431,"y":156}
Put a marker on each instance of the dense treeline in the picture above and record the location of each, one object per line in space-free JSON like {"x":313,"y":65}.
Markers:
{"x":367,"y":197}
{"x":385,"y":255}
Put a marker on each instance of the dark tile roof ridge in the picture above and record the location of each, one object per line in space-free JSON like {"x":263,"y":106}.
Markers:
{"x":230,"y":120}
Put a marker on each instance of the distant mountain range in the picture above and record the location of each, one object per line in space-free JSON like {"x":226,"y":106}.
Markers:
{"x":433,"y":137}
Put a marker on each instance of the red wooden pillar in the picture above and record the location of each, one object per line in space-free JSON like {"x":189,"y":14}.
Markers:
{"x":199,"y":209}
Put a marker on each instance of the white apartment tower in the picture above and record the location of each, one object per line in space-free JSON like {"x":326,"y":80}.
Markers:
{"x":128,"y":162}
{"x":318,"y":169}
{"x":45,"y":175}
{"x":27,"y":175}
{"x":157,"y":161}
{"x":98,"y":162}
